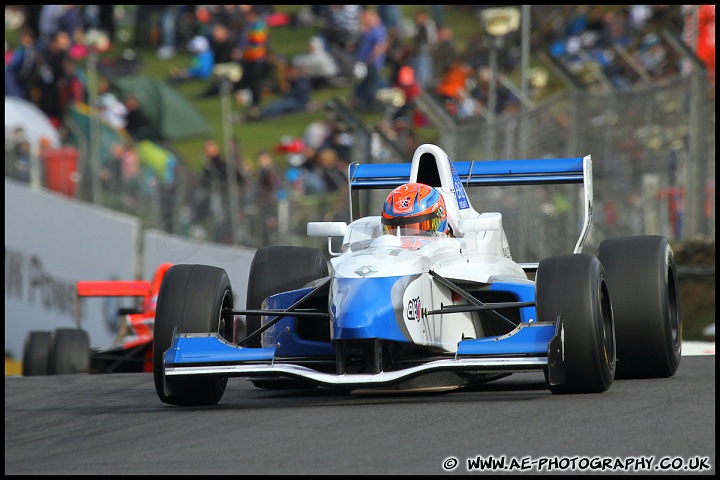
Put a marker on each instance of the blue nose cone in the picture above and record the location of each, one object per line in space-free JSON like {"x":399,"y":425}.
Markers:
{"x":368,"y":308}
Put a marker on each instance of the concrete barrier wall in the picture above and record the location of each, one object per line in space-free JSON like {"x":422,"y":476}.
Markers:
{"x":160,"y":247}
{"x":52,"y":241}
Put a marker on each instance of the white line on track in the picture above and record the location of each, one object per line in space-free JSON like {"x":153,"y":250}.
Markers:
{"x":698,"y":348}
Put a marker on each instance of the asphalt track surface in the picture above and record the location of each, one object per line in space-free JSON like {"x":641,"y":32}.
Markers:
{"x":114,"y":424}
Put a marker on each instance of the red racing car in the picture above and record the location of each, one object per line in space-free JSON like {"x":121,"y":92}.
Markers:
{"x":67,"y":350}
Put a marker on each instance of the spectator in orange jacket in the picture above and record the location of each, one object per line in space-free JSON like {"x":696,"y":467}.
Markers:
{"x":454,"y":80}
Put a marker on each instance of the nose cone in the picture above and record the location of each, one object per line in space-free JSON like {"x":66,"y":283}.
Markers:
{"x":368,"y":308}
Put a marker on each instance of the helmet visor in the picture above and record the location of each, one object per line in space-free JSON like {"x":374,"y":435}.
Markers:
{"x":412,"y":225}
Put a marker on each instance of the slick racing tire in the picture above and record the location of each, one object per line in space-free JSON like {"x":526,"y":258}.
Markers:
{"x":571,"y":290}
{"x":70,"y":352}
{"x":36,"y":354}
{"x":192,"y":299}
{"x":645,"y":296}
{"x":277,"y":269}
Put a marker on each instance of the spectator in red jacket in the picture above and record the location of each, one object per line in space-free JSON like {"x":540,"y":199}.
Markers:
{"x":408,"y":84}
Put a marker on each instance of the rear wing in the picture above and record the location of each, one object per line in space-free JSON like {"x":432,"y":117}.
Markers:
{"x":477,"y":173}
{"x":123,"y":288}
{"x":113,"y":288}
{"x":488,"y":173}
{"x":146,"y":289}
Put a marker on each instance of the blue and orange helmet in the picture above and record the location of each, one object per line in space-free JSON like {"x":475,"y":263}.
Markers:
{"x":415,"y":206}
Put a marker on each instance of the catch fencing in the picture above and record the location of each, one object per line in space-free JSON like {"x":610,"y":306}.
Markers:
{"x":653,"y":152}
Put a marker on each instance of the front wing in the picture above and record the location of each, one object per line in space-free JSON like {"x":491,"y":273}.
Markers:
{"x":522,"y":350}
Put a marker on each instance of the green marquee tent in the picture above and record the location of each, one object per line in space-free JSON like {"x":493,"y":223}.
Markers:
{"x":172,"y":116}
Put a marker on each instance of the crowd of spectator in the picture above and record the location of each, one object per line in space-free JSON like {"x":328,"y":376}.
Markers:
{"x":387,"y":60}
{"x":48,"y":68}
{"x":617,"y":48}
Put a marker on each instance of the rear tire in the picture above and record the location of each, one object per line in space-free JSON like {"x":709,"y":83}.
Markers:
{"x":645,"y":295}
{"x":70,"y":352}
{"x":573,"y":288}
{"x":191,"y":299}
{"x":36,"y":354}
{"x":279,"y":269}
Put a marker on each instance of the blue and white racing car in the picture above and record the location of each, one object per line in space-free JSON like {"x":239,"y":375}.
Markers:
{"x":406,"y":310}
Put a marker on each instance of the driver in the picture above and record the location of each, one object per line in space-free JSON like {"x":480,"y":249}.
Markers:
{"x":415,"y":206}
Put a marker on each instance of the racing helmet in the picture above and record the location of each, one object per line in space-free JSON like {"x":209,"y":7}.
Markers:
{"x":415,"y":206}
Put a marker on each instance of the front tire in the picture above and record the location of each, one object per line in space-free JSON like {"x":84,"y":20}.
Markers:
{"x":571,"y":289}
{"x":192,"y":299}
{"x":36,"y":354}
{"x":645,"y":294}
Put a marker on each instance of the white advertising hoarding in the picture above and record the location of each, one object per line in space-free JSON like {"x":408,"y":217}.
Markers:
{"x":51,"y":242}
{"x":160,"y":247}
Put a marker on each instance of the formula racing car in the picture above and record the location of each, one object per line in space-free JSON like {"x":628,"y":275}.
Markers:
{"x":67,"y":350}
{"x":395,"y":307}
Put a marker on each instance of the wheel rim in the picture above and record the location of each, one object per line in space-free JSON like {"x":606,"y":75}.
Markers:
{"x":607,"y":324}
{"x":225,"y":330}
{"x":674,"y":309}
